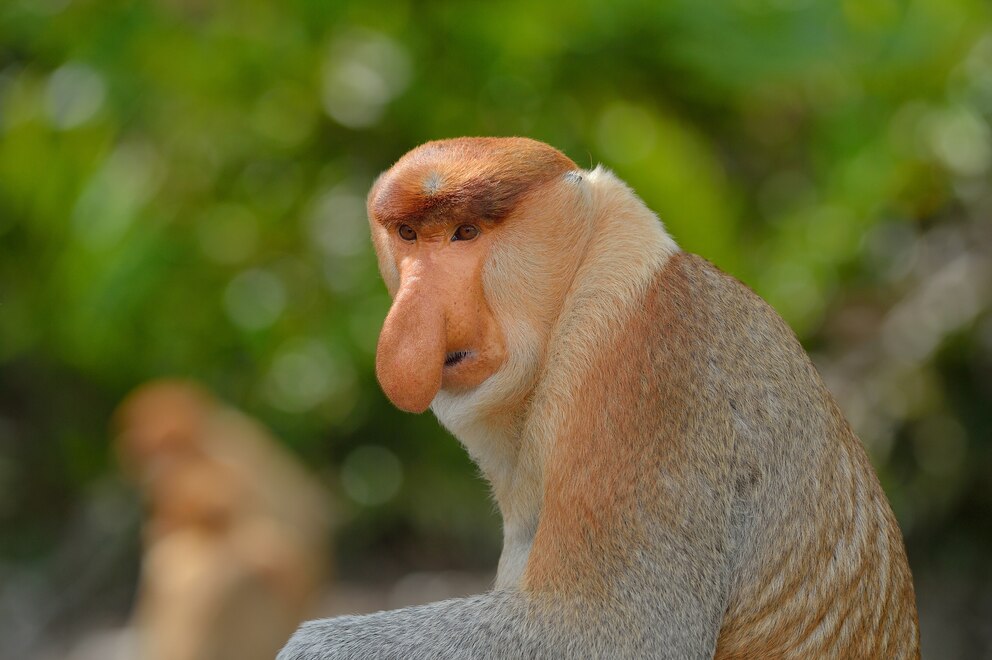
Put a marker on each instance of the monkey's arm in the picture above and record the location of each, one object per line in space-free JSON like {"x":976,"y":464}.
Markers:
{"x":674,"y":612}
{"x":486,"y":626}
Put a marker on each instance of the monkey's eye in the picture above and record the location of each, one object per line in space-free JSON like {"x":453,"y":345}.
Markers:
{"x":465,"y":233}
{"x":407,"y":233}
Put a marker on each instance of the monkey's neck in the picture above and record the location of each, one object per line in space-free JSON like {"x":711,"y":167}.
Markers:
{"x":627,"y":249}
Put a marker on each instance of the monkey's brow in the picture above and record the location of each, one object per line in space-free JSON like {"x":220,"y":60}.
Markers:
{"x":479,"y":200}
{"x":439,"y":220}
{"x":433,"y":183}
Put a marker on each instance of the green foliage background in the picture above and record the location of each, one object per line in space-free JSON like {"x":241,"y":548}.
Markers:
{"x":182,"y":186}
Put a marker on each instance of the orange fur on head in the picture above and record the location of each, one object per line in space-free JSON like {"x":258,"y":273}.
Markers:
{"x":463,"y":180}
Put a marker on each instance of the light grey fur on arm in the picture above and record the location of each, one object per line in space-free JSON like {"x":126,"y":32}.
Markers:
{"x":490,"y":625}
{"x":508,"y":624}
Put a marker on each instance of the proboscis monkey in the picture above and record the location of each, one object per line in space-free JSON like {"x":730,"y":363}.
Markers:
{"x":235,"y":540}
{"x":674,"y":479}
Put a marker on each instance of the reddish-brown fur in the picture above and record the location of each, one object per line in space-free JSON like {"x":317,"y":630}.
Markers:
{"x":630,"y":425}
{"x":656,"y":446}
{"x":466,"y":179}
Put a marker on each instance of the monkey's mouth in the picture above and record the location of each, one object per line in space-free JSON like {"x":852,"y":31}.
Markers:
{"x":453,"y":358}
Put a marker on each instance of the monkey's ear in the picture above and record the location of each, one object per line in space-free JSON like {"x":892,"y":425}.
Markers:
{"x":574,"y":176}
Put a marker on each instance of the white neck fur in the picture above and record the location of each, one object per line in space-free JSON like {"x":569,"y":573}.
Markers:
{"x":627,"y":247}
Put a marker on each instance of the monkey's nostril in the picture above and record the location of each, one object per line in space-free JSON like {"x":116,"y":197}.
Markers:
{"x":451,"y":359}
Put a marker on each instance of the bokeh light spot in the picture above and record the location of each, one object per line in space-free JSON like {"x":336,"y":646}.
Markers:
{"x":304,"y":374}
{"x":112,"y":198}
{"x":371,"y":475}
{"x":961,"y":140}
{"x":362,"y":73}
{"x":255,"y":299}
{"x":336,"y":222}
{"x":74,"y":94}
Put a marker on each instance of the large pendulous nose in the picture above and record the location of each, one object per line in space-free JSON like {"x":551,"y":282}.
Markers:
{"x":409,"y":359}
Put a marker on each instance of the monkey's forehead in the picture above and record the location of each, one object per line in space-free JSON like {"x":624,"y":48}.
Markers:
{"x":463,"y":179}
